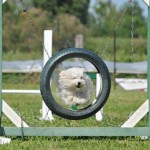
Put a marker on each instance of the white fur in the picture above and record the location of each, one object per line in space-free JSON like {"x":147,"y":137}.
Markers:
{"x":69,"y":89}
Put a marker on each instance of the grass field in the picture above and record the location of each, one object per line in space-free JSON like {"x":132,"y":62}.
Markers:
{"x":97,"y":45}
{"x":105,"y":48}
{"x":118,"y":108}
{"x":121,"y":104}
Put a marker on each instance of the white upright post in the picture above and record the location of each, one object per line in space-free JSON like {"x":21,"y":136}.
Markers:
{"x":4,"y":1}
{"x":79,"y":41}
{"x":46,"y":113}
{"x":3,"y":140}
{"x":147,"y":2}
{"x":99,"y":114}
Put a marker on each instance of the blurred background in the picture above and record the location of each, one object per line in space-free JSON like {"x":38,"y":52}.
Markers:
{"x":96,"y":20}
{"x":24,"y":22}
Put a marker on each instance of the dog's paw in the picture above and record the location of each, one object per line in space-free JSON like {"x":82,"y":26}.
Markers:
{"x":79,"y":101}
{"x":82,"y":101}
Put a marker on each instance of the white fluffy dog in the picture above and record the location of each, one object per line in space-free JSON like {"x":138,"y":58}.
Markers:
{"x":75,"y":87}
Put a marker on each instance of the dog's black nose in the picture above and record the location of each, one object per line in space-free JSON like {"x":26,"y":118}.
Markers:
{"x":78,"y":85}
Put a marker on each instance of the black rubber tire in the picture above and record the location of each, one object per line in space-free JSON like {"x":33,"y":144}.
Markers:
{"x":47,"y":73}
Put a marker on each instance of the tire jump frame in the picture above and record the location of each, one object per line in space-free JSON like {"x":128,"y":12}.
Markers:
{"x":73,"y":131}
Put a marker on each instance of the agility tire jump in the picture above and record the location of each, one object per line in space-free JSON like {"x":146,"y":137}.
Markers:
{"x":47,"y":74}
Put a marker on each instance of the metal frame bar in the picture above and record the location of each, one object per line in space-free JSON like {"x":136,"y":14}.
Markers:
{"x":1,"y":61}
{"x":148,"y":64}
{"x":73,"y":131}
{"x":21,"y":91}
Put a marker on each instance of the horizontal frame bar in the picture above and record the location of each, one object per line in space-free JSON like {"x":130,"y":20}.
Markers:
{"x":74,"y":131}
{"x":21,"y":91}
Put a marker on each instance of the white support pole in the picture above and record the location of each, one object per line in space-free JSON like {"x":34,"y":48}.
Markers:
{"x":47,"y":45}
{"x":137,"y":116}
{"x":142,"y":110}
{"x":99,"y":114}
{"x":79,"y":41}
{"x":13,"y":116}
{"x":46,"y":113}
{"x":4,"y":140}
{"x":21,"y":91}
{"x":4,"y":1}
{"x":147,"y":2}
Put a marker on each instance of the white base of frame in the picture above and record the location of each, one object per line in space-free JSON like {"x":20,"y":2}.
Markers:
{"x":4,"y":140}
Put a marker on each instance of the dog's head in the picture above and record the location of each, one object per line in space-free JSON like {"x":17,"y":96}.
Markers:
{"x":72,"y":78}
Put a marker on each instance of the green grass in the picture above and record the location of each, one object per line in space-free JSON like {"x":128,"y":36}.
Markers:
{"x":118,"y":108}
{"x":97,"y":45}
{"x":121,"y":104}
{"x":19,"y":55}
{"x":123,"y":48}
{"x":73,"y":143}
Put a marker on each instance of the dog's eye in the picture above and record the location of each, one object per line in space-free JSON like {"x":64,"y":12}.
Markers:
{"x":81,"y":78}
